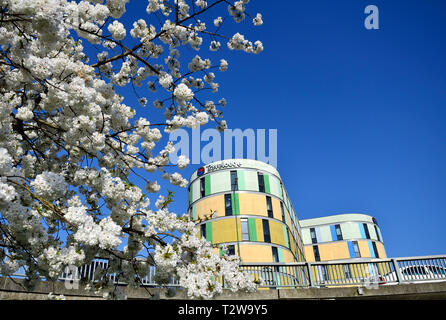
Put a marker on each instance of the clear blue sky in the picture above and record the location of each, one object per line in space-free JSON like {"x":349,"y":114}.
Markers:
{"x":360,"y":113}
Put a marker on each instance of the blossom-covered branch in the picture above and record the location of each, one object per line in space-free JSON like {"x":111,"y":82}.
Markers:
{"x":69,"y":143}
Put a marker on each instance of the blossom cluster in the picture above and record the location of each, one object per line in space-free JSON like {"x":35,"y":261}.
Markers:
{"x":71,"y":145}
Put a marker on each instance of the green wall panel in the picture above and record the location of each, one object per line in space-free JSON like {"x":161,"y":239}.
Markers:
{"x":266,"y":180}
{"x":241,"y":180}
{"x":194,"y":212}
{"x":274,"y":186}
{"x":207,"y":185}
{"x":280,"y":252}
{"x":235,"y":204}
{"x":252,"y":229}
{"x":209,"y":231}
{"x":195,"y":190}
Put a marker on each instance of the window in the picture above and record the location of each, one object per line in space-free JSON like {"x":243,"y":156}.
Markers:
{"x":228,"y":205}
{"x":269,"y":207}
{"x":366,"y":230}
{"x":275,"y":254}
{"x":377,"y":233}
{"x":313,"y":235}
{"x":202,"y":187}
{"x":283,"y":212}
{"x":375,"y":250}
{"x":356,"y":249}
{"x":261,"y":182}
{"x":266,"y":234}
{"x":317,"y":257}
{"x":245,"y":229}
{"x":203,"y":230}
{"x":338,"y":231}
{"x":234,"y":181}
{"x":231,"y":250}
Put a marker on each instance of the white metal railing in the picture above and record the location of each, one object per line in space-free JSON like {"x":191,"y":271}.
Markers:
{"x":354,"y":272}
{"x":94,"y":270}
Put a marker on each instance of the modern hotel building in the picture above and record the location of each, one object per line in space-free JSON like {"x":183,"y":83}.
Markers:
{"x":243,"y":204}
{"x":341,"y":237}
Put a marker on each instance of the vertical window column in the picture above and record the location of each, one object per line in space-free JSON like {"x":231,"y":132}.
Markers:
{"x":203,"y":230}
{"x":234,"y":181}
{"x":261,"y":182}
{"x":202,"y":187}
{"x":228,"y":205}
{"x":365,"y":231}
{"x":283,"y":212}
{"x":275,"y":254}
{"x":317,"y":257}
{"x":269,"y":207}
{"x":245,"y":229}
{"x":353,"y":249}
{"x":373,"y":249}
{"x":313,"y":235}
{"x":377,"y":234}
{"x":266,"y":233}
{"x":338,"y":232}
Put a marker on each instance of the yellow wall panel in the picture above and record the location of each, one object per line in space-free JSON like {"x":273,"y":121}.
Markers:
{"x":276,"y":231}
{"x":224,"y":231}
{"x":293,"y":246}
{"x":251,"y":203}
{"x":364,"y":249}
{"x":381,"y":250}
{"x":288,"y":256}
{"x":277,"y":212}
{"x":309,"y":254}
{"x":216,"y":203}
{"x":256,"y":253}
{"x":259,"y":229}
{"x":334,"y":251}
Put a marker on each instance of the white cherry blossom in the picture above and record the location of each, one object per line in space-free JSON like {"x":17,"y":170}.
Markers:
{"x":80,"y":164}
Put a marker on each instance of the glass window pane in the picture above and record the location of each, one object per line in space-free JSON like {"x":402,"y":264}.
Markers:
{"x":261,"y":182}
{"x":234,"y":181}
{"x":245,"y":230}
{"x":202,"y":187}
{"x":228,"y":205}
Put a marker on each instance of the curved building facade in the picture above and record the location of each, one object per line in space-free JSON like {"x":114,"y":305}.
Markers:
{"x":242,"y":203}
{"x":342,"y":236}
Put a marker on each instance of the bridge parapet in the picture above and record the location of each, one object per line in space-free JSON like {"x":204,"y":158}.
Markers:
{"x":352,"y":278}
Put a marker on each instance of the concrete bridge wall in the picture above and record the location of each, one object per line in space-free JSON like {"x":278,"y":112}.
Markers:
{"x":14,"y":289}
